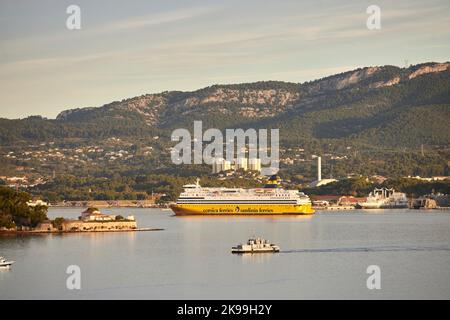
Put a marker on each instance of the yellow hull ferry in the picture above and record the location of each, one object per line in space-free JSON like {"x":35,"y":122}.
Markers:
{"x":270,"y":200}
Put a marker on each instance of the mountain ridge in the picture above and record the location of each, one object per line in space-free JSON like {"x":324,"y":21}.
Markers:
{"x":364,"y":104}
{"x":336,"y":81}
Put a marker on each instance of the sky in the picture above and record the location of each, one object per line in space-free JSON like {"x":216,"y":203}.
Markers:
{"x":128,"y":48}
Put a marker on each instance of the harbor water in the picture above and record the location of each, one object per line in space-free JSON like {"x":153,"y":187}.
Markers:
{"x":322,"y":256}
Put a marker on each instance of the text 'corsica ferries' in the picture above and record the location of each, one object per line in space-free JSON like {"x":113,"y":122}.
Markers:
{"x":271,"y":199}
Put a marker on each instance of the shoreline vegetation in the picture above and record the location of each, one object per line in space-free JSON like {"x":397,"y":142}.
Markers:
{"x":106,"y":204}
{"x":17,"y":216}
{"x":38,"y":232}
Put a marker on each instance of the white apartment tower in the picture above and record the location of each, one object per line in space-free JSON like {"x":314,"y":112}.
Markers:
{"x":240,"y":163}
{"x":254,"y":164}
{"x":220,"y":165}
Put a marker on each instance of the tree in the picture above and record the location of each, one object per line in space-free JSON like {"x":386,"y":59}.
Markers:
{"x":57,"y":223}
{"x":15,"y":212}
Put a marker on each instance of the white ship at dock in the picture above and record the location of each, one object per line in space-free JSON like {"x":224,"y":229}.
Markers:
{"x":384,"y":198}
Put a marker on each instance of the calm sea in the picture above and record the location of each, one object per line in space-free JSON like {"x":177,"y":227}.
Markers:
{"x":322,"y":256}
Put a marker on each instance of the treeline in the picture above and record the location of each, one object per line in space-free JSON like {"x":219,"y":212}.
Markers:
{"x":144,"y":186}
{"x":119,"y":187}
{"x":99,"y":125}
{"x":15,"y":212}
{"x":410,"y":113}
{"x":362,"y":186}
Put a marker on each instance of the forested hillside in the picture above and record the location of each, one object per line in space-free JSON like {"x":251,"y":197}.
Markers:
{"x":382,"y":106}
{"x":370,"y":121}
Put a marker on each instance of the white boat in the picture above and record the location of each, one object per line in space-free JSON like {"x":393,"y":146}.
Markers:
{"x":4,"y":263}
{"x":255,"y":245}
{"x":384,"y":198}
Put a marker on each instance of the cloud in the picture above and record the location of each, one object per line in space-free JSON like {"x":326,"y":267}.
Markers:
{"x":220,"y":42}
{"x":153,"y":19}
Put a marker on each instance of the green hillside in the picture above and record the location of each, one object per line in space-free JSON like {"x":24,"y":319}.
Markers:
{"x":368,"y":121}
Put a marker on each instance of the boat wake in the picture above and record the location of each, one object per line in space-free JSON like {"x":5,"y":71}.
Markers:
{"x":367,"y":249}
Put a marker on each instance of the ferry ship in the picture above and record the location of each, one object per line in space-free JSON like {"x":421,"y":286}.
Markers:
{"x":270,"y":200}
{"x":255,"y":245}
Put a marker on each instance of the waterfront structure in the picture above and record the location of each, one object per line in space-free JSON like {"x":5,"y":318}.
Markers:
{"x":384,"y":198}
{"x":93,"y":214}
{"x":424,"y":203}
{"x":91,"y":220}
{"x":270,"y":200}
{"x":320,"y":204}
{"x":350,"y":201}
{"x":37,"y":203}
{"x":432,"y":201}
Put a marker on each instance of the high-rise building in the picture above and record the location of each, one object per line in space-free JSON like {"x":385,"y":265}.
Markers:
{"x":240,"y":163}
{"x":254,"y":164}
{"x":220,"y":165}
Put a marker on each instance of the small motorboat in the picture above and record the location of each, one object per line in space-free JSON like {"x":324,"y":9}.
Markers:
{"x":4,"y":263}
{"x":255,"y":245}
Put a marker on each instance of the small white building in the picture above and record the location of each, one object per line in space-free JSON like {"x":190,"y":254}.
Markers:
{"x":220,"y":165}
{"x":36,"y":203}
{"x":92,"y":214}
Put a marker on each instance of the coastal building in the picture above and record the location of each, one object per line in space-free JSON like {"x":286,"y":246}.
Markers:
{"x":91,"y":220}
{"x":37,"y":203}
{"x":432,"y":201}
{"x":424,"y":203}
{"x":93,"y":214}
{"x":350,"y":200}
{"x":326,"y":198}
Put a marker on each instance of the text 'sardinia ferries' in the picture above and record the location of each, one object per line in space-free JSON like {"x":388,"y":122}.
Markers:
{"x":271,"y":199}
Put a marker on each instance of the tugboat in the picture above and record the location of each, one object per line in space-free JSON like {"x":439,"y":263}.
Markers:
{"x":4,"y":263}
{"x":255,"y":245}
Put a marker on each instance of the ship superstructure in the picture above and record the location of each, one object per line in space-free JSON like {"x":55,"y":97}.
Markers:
{"x":384,"y":198}
{"x":255,"y":245}
{"x":272,"y":199}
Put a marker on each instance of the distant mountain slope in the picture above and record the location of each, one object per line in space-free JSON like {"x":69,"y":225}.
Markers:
{"x":383,"y":106}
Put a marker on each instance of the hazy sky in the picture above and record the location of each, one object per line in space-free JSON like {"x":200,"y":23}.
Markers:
{"x":128,"y":48}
